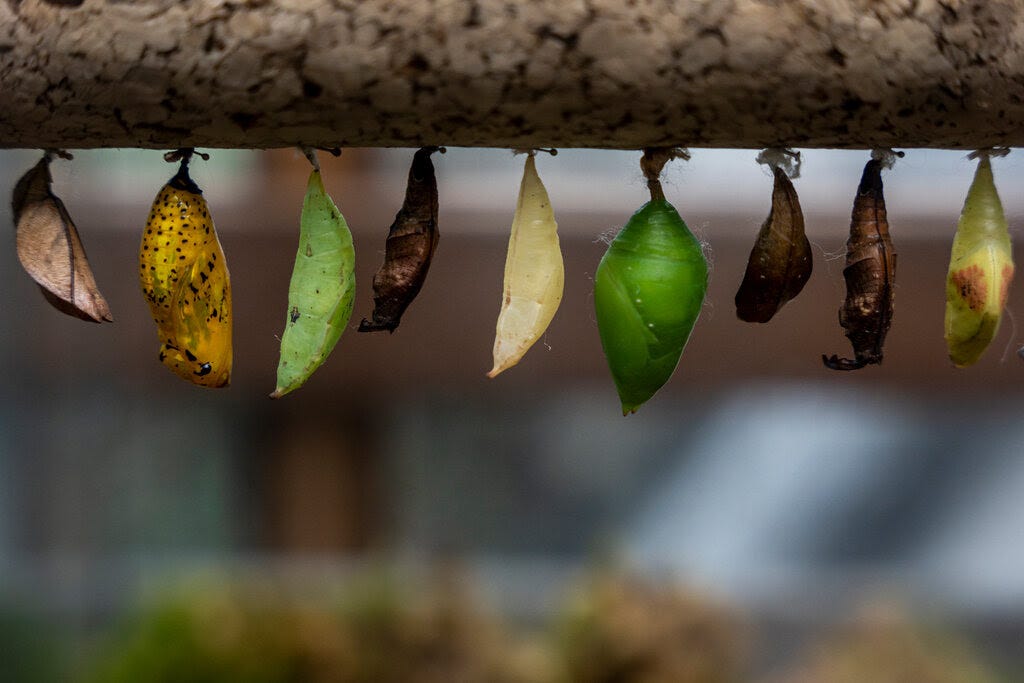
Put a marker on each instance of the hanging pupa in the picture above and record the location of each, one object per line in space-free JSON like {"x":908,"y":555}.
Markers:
{"x":648,"y":292}
{"x":184,"y":278}
{"x":780,"y":262}
{"x":870,"y":270}
{"x":50,"y":249}
{"x":534,"y":273}
{"x":322,"y":288}
{"x":409,"y":249}
{"x":980,"y":268}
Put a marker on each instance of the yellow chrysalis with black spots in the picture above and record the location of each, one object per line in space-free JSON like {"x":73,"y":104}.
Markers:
{"x":184,"y":278}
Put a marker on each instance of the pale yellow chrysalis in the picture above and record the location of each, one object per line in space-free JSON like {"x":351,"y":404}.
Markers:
{"x":534,"y":274}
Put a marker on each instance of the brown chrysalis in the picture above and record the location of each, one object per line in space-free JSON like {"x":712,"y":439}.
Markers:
{"x":410,"y":247}
{"x":50,"y":249}
{"x":869,"y":273}
{"x":780,"y":262}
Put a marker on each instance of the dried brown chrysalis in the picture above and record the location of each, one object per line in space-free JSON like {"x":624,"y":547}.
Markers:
{"x":869,"y":273}
{"x":410,"y":247}
{"x":780,"y":262}
{"x":50,"y":249}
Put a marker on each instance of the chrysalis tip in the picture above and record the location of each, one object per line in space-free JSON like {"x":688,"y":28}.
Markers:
{"x":95,"y":311}
{"x":501,"y":366}
{"x":374,"y":326}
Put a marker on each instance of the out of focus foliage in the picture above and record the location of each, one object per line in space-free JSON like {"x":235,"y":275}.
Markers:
{"x":617,"y":629}
{"x":32,"y":649}
{"x":623,"y":629}
{"x":374,"y":632}
{"x":888,"y":648}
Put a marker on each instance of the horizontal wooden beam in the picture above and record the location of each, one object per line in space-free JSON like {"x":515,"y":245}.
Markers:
{"x":497,"y":73}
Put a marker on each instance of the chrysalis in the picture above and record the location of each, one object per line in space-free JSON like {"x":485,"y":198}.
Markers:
{"x":50,"y":249}
{"x":534,"y":274}
{"x":648,"y":292}
{"x":185,"y":280}
{"x":980,"y":270}
{"x":780,"y":262}
{"x":410,"y":247}
{"x":869,"y":273}
{"x":322,"y":288}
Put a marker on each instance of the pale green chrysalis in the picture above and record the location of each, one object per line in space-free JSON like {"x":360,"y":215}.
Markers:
{"x":322,"y":289}
{"x":648,"y":292}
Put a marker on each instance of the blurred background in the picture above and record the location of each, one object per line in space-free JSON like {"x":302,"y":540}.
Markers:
{"x":762,"y":519}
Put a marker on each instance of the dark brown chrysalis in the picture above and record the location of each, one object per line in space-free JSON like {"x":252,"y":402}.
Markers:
{"x":870,"y":271}
{"x":780,"y":262}
{"x":410,"y":247}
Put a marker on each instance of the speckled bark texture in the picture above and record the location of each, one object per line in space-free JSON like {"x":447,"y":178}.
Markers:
{"x":567,"y":73}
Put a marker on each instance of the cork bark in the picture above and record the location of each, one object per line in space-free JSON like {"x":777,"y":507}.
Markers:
{"x":498,"y":73}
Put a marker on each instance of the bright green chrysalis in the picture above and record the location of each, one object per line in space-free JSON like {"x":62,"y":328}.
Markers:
{"x":648,"y":292}
{"x":321,"y":291}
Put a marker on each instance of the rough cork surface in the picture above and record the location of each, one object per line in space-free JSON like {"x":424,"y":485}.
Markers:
{"x":498,"y":73}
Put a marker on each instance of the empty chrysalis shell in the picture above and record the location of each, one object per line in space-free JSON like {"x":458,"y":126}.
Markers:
{"x":870,"y":274}
{"x":980,"y":271}
{"x":322,"y":288}
{"x":534,"y":274}
{"x":184,"y":277}
{"x":648,"y":293}
{"x":780,"y":262}
{"x":50,"y":249}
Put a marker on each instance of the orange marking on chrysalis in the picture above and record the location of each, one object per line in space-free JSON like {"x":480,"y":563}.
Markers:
{"x":1007,"y":276}
{"x":970,"y":282}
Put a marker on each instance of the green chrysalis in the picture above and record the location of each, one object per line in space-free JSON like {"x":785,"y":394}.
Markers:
{"x":648,"y":292}
{"x":321,"y":291}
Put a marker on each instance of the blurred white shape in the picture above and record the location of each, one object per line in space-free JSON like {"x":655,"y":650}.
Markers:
{"x":978,"y":553}
{"x":763,"y":480}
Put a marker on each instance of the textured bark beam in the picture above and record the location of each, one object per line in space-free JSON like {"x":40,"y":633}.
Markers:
{"x":497,"y":73}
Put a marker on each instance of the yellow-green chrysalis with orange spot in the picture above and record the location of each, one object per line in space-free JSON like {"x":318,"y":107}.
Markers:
{"x":184,"y":277}
{"x":980,"y":270}
{"x":322,"y":288}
